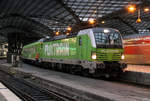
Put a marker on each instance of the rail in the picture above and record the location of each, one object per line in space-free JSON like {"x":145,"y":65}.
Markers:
{"x":28,"y":91}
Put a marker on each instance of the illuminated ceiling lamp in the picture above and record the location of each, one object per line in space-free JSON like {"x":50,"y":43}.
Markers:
{"x":91,"y":21}
{"x":146,"y":9}
{"x":69,"y":28}
{"x":139,"y":19}
{"x":103,"y":22}
{"x":131,"y":8}
{"x":57,"y":33}
{"x":67,"y":33}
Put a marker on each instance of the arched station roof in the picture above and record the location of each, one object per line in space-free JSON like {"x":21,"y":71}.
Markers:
{"x":33,"y":19}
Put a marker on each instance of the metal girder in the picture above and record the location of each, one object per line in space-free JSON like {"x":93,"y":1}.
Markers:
{"x":12,"y":29}
{"x":145,"y":3}
{"x":123,"y":14}
{"x":54,"y":19}
{"x":70,"y":11}
{"x":127,"y":24}
{"x":30,"y":22}
{"x":24,"y":18}
{"x":122,"y":11}
{"x":2,"y":39}
{"x":67,"y":13}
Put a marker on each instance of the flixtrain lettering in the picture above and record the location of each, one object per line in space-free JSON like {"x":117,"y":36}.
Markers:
{"x":57,"y":49}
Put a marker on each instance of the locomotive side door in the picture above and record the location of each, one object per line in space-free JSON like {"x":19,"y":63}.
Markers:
{"x":82,"y":49}
{"x":80,"y":55}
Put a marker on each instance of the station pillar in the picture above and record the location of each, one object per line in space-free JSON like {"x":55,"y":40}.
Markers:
{"x":9,"y":55}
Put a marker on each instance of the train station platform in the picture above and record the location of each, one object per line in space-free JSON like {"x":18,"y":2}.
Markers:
{"x":79,"y":88}
{"x":7,"y":95}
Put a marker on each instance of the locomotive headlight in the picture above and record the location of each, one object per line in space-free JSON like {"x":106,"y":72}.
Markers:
{"x":122,"y":57}
{"x":94,"y":55}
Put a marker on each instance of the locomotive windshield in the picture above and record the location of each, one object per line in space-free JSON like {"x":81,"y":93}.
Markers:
{"x":108,"y":38}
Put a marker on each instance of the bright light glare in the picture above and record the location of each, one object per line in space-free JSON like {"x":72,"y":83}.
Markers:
{"x":146,"y":9}
{"x":69,"y":28}
{"x":106,"y":31}
{"x":5,"y":53}
{"x":138,"y":20}
{"x":103,"y":22}
{"x":47,"y":37}
{"x":131,"y":8}
{"x":57,"y":33}
{"x":91,"y":21}
{"x":67,"y":33}
{"x":94,"y":56}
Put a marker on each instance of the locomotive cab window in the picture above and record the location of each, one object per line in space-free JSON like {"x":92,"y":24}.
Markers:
{"x":111,"y":39}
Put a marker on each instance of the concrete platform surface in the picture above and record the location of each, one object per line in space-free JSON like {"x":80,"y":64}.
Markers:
{"x":2,"y":98}
{"x":107,"y":89}
{"x":7,"y":95}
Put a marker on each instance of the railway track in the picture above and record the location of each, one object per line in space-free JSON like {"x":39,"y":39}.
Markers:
{"x":112,"y":79}
{"x":30,"y":92}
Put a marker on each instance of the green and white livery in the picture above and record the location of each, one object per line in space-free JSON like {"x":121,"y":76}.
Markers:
{"x":95,"y":51}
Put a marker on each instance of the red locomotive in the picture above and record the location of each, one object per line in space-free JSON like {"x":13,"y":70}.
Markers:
{"x":137,"y":49}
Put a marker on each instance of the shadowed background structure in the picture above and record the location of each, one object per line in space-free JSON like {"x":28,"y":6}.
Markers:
{"x":23,"y":22}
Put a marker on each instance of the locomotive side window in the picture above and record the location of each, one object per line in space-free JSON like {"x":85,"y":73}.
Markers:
{"x":80,"y":41}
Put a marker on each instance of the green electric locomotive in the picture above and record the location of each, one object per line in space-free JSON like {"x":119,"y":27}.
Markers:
{"x":97,"y":51}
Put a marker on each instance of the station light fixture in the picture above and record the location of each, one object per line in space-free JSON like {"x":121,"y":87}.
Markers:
{"x":5,"y":53}
{"x":131,"y":8}
{"x":103,"y":22}
{"x":47,"y":37}
{"x":57,"y":33}
{"x":139,"y":19}
{"x":69,"y":28}
{"x":67,"y":33}
{"x":91,"y":21}
{"x":95,"y":12}
{"x":146,"y":9}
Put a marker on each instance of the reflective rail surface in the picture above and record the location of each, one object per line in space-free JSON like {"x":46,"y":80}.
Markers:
{"x":29,"y":92}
